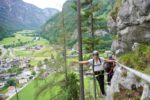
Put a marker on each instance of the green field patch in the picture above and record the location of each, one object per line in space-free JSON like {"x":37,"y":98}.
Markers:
{"x":45,"y":52}
{"x":29,"y":92}
{"x":23,"y":53}
{"x":15,"y":40}
{"x":39,"y":42}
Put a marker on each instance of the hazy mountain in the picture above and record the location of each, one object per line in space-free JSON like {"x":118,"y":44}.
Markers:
{"x":16,"y":14}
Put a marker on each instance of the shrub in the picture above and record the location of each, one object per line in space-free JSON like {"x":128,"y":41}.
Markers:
{"x":30,"y":77}
{"x":72,"y":88}
{"x":33,"y":73}
{"x":10,"y":82}
{"x":116,"y":8}
{"x":0,"y":51}
{"x":138,"y":59}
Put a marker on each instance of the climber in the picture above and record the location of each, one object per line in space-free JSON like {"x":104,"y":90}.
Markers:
{"x":97,"y":62}
{"x":109,"y":66}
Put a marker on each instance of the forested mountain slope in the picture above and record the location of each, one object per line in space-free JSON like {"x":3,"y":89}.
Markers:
{"x":50,"y":29}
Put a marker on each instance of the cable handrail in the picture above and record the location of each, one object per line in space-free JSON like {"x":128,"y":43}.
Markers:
{"x":137,"y":73}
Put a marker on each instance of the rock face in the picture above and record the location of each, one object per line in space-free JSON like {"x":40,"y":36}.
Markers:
{"x":131,"y":25}
{"x":16,"y":14}
{"x":126,"y":79}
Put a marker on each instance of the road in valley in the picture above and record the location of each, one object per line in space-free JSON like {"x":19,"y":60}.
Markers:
{"x":4,"y":51}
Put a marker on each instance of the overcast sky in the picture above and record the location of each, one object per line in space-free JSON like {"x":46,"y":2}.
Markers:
{"x":47,"y":3}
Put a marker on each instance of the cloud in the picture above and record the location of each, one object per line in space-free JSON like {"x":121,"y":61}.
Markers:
{"x":47,"y":3}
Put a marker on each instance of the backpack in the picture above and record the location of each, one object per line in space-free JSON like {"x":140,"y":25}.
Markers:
{"x":108,"y":66}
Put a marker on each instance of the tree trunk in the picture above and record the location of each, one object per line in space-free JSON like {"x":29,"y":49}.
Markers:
{"x":92,"y":26}
{"x":65,"y":58}
{"x":93,"y":45}
{"x":80,"y":50}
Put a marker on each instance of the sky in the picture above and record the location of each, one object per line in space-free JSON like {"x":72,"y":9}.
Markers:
{"x":47,"y":3}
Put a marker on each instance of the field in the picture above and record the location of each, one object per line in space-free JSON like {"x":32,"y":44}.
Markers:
{"x":30,"y":92}
{"x":53,"y":89}
{"x":28,"y":38}
{"x":14,"y":40}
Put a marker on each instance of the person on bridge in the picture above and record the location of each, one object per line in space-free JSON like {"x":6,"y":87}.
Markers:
{"x":97,"y":62}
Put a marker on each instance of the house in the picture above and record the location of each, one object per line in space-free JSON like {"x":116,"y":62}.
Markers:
{"x":15,"y":62}
{"x":2,"y":84}
{"x":8,"y":60}
{"x":11,"y":90}
{"x":36,"y":69}
{"x":24,"y":75}
{"x":44,"y":75}
{"x":7,"y":75}
{"x":23,"y":81}
{"x":1,"y":96}
{"x":44,"y":67}
{"x":23,"y":65}
{"x":4,"y":76}
{"x":39,"y":47}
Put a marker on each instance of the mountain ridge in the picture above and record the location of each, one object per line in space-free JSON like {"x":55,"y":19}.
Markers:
{"x":17,"y":15}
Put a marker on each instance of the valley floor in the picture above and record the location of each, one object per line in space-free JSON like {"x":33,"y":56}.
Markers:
{"x":41,"y":66}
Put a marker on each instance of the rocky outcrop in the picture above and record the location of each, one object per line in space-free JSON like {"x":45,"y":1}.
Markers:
{"x":131,"y":25}
{"x":129,"y":81}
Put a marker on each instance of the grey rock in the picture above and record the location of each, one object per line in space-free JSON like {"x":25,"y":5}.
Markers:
{"x":146,"y":92}
{"x":112,"y":27}
{"x":118,"y":47}
{"x":115,"y":80}
{"x":132,"y":24}
{"x":114,"y":84}
{"x":135,"y":46}
{"x":127,"y":82}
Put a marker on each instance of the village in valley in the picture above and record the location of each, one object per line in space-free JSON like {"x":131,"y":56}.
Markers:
{"x":22,"y":72}
{"x":19,"y":66}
